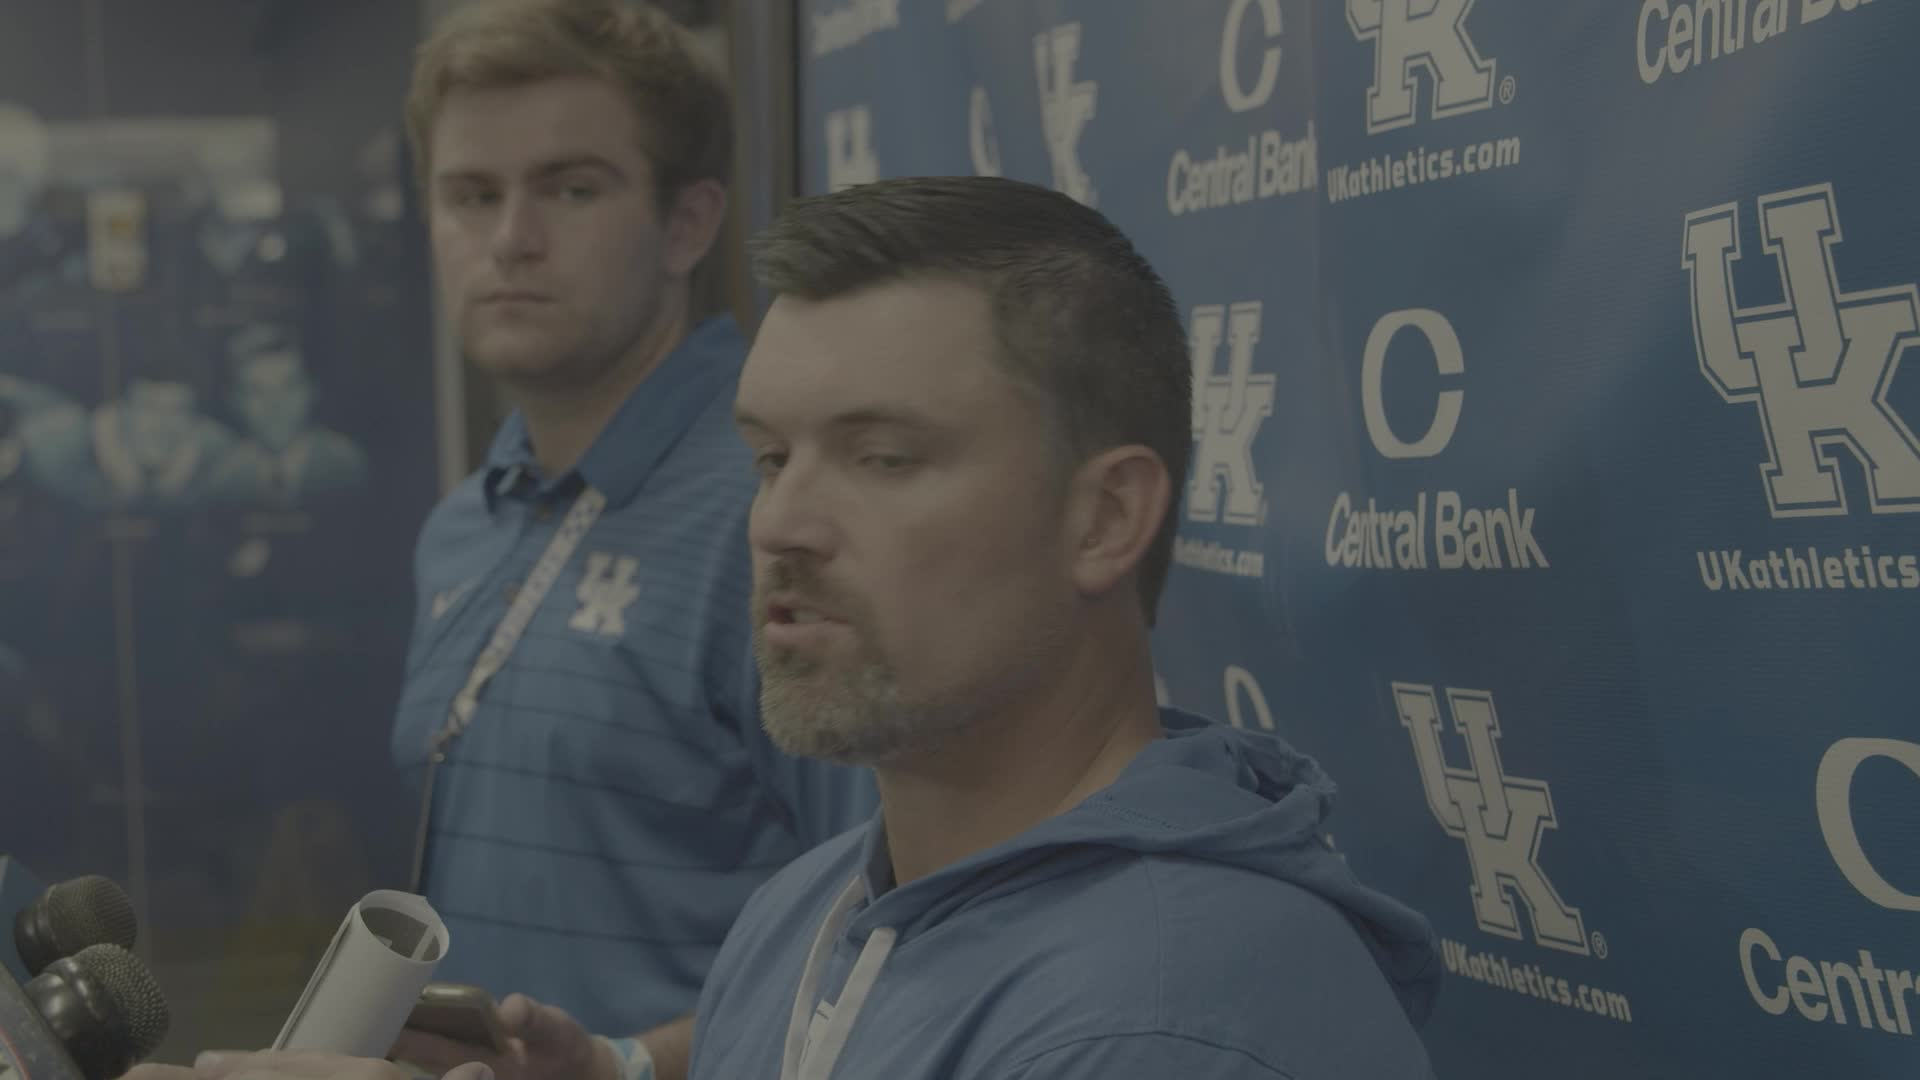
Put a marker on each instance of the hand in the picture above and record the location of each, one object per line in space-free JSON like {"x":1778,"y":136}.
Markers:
{"x":543,"y":1043}
{"x":291,"y":1065}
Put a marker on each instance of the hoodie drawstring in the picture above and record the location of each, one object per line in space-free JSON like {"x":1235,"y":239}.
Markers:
{"x":815,"y":1062}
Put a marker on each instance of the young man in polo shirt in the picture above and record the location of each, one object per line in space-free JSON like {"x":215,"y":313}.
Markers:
{"x":582,"y":657}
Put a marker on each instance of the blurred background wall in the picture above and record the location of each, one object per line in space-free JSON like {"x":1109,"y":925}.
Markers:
{"x":225,"y":410}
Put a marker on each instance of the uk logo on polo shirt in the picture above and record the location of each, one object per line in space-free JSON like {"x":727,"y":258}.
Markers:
{"x":606,"y":590}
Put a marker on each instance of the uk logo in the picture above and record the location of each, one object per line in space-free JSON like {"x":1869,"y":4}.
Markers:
{"x":982,"y":144}
{"x":606,"y":590}
{"x":1412,"y":36}
{"x":1227,"y":413}
{"x":1816,"y":366}
{"x":850,"y":156}
{"x":1501,"y":818}
{"x":1065,"y":107}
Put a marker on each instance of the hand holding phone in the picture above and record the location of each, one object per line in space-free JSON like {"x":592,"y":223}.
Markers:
{"x":519,"y":1038}
{"x":463,"y":1014}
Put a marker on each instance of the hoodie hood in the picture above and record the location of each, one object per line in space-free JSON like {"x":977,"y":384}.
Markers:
{"x":1204,"y":791}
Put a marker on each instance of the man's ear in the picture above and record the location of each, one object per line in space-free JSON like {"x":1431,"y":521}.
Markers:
{"x":693,"y":224}
{"x":1117,"y":501}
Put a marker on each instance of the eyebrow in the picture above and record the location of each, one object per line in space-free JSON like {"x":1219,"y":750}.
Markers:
{"x":862,"y":417}
{"x":550,"y":167}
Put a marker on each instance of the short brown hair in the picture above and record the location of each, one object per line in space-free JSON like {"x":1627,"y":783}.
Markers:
{"x":1082,"y":318}
{"x":686,"y":126}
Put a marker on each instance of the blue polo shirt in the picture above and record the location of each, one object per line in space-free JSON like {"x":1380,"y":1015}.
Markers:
{"x":614,"y":802}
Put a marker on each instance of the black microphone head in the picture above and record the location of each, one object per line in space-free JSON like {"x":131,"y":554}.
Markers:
{"x":103,"y":1007}
{"x":71,"y":916}
{"x":136,"y":998}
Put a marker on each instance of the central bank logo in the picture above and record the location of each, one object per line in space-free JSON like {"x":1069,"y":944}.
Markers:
{"x":1501,"y":818}
{"x":1833,"y":799}
{"x":1232,"y":86}
{"x":1675,"y":36}
{"x":1065,"y":107}
{"x":1228,"y":410}
{"x":1846,"y":990}
{"x":1410,"y":36}
{"x":1261,"y":161}
{"x":1427,"y":529}
{"x":1449,"y":360}
{"x":1816,"y":366}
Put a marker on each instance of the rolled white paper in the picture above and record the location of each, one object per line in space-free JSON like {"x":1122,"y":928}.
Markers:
{"x":366,"y":985}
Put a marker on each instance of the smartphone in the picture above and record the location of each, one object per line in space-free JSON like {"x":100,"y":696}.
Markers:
{"x":459,"y":1012}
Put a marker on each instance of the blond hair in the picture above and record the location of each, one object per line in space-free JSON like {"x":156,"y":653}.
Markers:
{"x":685,"y":128}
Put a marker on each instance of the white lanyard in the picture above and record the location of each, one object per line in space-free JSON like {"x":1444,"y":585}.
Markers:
{"x":585,"y":510}
{"x":805,"y":1058}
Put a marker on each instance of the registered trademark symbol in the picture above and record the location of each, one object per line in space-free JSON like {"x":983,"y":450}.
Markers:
{"x":1599,"y":944}
{"x":1506,"y":90}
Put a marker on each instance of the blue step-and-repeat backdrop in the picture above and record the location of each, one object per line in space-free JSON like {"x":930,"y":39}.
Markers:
{"x":1555,"y":471}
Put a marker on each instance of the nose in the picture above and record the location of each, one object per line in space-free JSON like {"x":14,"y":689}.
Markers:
{"x":520,"y":234}
{"x":793,"y":513}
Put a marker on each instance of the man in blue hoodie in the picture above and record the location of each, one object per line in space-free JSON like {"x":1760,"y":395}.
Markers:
{"x":970,"y":406}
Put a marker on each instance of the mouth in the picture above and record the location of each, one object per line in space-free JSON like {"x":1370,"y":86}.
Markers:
{"x":515,"y":296}
{"x":795,"y":623}
{"x":795,"y":614}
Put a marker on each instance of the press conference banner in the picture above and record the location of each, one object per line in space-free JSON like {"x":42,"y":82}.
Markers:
{"x":1554,"y":476}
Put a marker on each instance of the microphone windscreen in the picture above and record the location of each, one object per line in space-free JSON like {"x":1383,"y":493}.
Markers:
{"x":137,"y":1001}
{"x":91,"y":910}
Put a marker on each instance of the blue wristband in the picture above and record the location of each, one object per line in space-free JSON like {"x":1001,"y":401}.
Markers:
{"x":631,"y":1061}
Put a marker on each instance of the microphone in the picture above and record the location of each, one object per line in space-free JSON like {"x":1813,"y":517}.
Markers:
{"x":89,"y":1016}
{"x":69,"y":917}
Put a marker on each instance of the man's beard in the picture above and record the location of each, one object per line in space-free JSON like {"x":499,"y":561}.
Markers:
{"x":843,"y":709}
